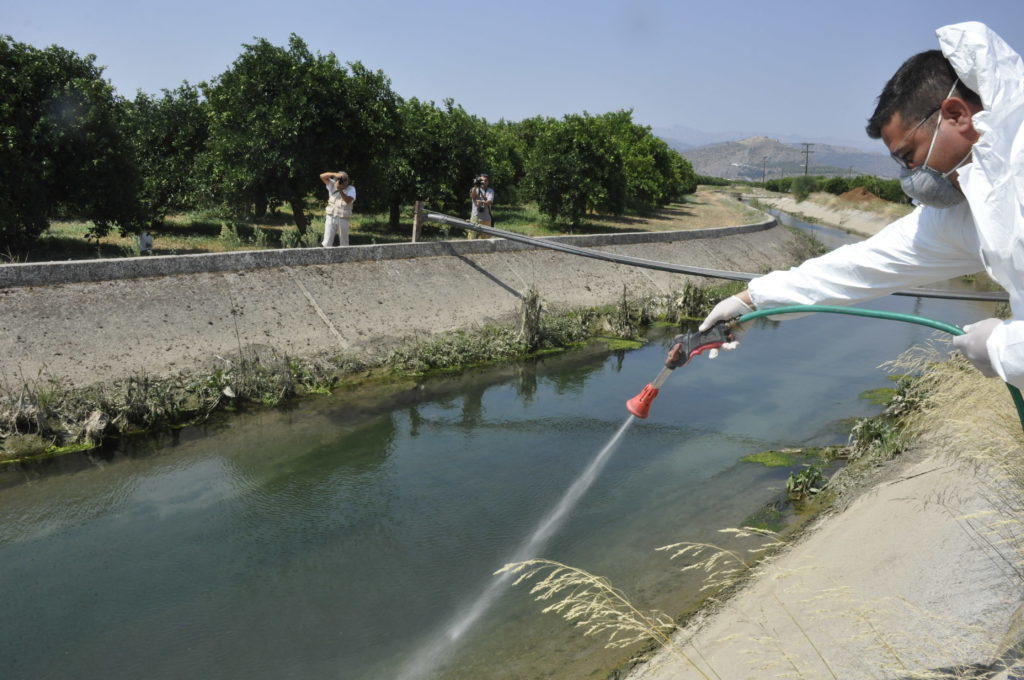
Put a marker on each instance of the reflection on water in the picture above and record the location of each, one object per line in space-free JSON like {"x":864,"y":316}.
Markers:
{"x":334,"y":539}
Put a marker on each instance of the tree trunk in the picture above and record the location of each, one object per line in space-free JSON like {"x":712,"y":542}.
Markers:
{"x":261,"y":204}
{"x":396,"y":213}
{"x":300,"y":216}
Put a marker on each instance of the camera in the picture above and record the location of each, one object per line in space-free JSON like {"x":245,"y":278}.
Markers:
{"x":478,"y":181}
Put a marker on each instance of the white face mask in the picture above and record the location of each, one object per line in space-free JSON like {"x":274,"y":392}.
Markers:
{"x":929,"y":186}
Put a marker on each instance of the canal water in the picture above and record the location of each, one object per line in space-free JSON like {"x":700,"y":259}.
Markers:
{"x":337,"y":538}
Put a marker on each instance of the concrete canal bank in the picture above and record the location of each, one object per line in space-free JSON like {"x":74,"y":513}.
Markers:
{"x":91,"y":321}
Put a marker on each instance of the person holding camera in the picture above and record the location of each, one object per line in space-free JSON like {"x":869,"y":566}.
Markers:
{"x":482,"y":198}
{"x":340,"y":197}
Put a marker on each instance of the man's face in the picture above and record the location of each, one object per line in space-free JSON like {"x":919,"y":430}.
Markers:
{"x":343,"y":180}
{"x":910,"y":140}
{"x":485,"y":180}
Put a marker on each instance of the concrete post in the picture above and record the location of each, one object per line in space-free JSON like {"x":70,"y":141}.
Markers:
{"x":417,"y":221}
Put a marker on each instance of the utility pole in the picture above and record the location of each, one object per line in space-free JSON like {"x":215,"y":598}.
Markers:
{"x":764,"y":169}
{"x":807,"y":154}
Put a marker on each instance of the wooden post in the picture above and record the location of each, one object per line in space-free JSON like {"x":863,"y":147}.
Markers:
{"x":417,"y":221}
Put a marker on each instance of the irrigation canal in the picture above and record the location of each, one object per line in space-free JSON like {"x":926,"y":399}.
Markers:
{"x":337,"y":538}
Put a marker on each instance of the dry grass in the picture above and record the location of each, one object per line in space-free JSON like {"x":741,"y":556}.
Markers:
{"x":591,"y":603}
{"x":972,"y":419}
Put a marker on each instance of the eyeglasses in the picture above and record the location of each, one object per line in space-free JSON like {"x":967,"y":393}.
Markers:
{"x":898,"y":156}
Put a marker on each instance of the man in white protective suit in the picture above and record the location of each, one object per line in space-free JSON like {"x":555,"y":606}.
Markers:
{"x":954,"y":121}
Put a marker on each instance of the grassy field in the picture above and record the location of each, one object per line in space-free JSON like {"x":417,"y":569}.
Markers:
{"x":203,"y":233}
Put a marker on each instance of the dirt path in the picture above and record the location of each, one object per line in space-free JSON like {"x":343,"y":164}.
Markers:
{"x":707,"y":207}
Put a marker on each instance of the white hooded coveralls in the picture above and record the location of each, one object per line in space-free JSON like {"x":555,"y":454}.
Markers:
{"x":931,"y":244}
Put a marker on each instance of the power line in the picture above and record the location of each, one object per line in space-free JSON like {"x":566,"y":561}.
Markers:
{"x":807,"y":154}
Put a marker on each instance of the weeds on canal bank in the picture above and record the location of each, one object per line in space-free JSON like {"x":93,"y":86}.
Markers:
{"x":45,"y":416}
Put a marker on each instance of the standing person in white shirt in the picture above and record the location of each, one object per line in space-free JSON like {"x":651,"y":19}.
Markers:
{"x":482,"y":197}
{"x":340,"y":197}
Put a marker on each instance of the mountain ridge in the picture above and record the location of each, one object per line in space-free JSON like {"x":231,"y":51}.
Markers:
{"x":758,"y":156}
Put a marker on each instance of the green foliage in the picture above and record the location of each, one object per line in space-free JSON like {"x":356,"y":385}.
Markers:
{"x":604,"y":163}
{"x":229,"y":236}
{"x":168,"y":135}
{"x":773,"y":458}
{"x":441,"y":150}
{"x":258,"y":135}
{"x":805,"y":483}
{"x":803,"y":186}
{"x":576,"y":166}
{"x":63,"y":150}
{"x":888,"y":189}
{"x":715,"y":181}
{"x":836,"y":185}
{"x":281,"y":116}
{"x":804,"y":245}
{"x":884,"y":436}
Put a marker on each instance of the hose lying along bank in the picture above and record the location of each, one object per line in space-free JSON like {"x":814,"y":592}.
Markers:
{"x":440,"y":218}
{"x":1018,"y":401}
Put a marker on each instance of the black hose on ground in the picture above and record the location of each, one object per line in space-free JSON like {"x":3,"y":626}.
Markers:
{"x":440,"y":218}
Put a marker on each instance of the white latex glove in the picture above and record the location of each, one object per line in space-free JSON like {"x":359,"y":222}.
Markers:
{"x":974,"y":345}
{"x":726,"y":310}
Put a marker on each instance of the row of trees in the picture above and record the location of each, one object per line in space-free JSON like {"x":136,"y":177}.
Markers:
{"x":258,"y":135}
{"x":803,"y":185}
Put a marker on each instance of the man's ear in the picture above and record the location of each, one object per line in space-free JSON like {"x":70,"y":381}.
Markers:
{"x":958,"y":113}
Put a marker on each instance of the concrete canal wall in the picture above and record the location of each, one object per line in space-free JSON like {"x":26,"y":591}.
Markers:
{"x":90,"y":321}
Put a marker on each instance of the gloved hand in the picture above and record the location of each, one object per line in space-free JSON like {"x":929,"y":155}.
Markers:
{"x":726,"y":310}
{"x":974,"y":345}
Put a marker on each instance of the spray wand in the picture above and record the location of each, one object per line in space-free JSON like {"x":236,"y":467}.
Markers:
{"x":689,"y":345}
{"x":684,"y":348}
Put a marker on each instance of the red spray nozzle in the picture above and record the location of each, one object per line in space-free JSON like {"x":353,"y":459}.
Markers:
{"x":640,"y":405}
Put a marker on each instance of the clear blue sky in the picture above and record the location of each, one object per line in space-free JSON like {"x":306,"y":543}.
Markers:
{"x":783,"y":67}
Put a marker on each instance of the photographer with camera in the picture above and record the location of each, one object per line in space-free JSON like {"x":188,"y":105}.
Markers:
{"x":340,"y":197}
{"x":482,"y":198}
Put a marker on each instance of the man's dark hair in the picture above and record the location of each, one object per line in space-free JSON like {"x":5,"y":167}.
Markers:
{"x":916,"y":89}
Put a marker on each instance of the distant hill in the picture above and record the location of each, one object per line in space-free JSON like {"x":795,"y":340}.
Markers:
{"x":744,"y":159}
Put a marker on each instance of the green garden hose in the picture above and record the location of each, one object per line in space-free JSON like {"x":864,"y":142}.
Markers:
{"x":1018,"y":401}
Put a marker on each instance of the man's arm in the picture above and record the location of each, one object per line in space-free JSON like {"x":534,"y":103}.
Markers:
{"x":926,"y":246}
{"x":348,"y":197}
{"x":326,"y":177}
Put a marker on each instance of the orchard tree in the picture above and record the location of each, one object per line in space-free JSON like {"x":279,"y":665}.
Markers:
{"x":63,"y":152}
{"x":441,"y":149}
{"x":169,"y":135}
{"x":281,"y":116}
{"x":575,"y":166}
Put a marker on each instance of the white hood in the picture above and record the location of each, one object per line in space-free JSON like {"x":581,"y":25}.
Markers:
{"x":932,"y":244}
{"x":995,"y":180}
